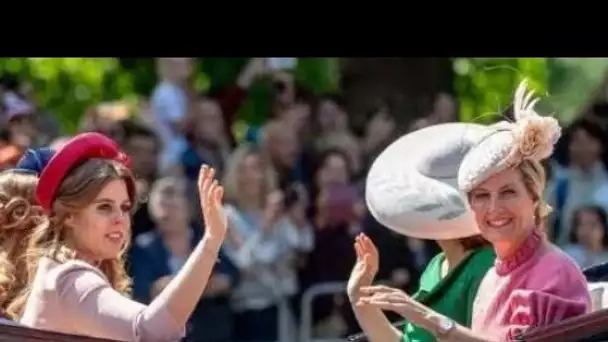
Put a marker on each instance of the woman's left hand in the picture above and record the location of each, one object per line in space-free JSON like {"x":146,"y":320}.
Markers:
{"x":390,"y":299}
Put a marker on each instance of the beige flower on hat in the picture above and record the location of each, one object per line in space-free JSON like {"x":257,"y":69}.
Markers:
{"x":535,"y":135}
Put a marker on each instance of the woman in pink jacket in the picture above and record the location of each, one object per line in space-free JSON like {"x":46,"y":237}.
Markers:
{"x":80,"y":285}
{"x":501,"y":180}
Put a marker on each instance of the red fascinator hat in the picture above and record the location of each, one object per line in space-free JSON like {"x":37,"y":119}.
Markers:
{"x":73,"y":153}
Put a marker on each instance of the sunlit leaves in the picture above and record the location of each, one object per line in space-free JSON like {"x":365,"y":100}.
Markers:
{"x":567,"y":85}
{"x":66,"y":87}
{"x":485,"y":86}
{"x":573,"y":84}
{"x":320,"y":74}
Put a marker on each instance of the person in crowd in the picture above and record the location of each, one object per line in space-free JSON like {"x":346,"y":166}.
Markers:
{"x":379,"y":131}
{"x":285,"y":92}
{"x":20,"y":117}
{"x":232,"y":97}
{"x":335,"y":212}
{"x":583,"y":180}
{"x":444,"y":109}
{"x":170,"y":104}
{"x":264,"y":239}
{"x":533,"y":283}
{"x":106,"y":118}
{"x":173,"y":101}
{"x":159,"y":255}
{"x":78,"y":283}
{"x":19,"y":215}
{"x":352,"y":148}
{"x":334,"y":130}
{"x":207,"y":139}
{"x":331,"y":116}
{"x":589,"y":236}
{"x":142,"y":144}
{"x":10,"y":153}
{"x":284,"y":150}
{"x":290,"y":104}
{"x":208,"y":143}
{"x":298,"y":116}
{"x":9,"y":156}
{"x":451,"y":279}
{"x":47,"y":127}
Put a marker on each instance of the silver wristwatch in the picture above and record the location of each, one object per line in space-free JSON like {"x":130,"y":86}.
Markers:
{"x":444,"y":325}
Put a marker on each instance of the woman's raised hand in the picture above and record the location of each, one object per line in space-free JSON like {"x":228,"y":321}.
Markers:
{"x":365,"y":268}
{"x":211,"y":194}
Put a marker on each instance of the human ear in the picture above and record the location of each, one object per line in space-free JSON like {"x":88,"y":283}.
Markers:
{"x":70,"y":220}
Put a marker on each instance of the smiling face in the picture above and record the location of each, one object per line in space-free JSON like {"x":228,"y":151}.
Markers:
{"x":100,"y":230}
{"x":92,"y":210}
{"x":505,"y":208}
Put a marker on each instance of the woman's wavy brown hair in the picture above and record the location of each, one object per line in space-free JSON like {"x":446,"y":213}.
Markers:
{"x":19,"y":216}
{"x":78,"y":189}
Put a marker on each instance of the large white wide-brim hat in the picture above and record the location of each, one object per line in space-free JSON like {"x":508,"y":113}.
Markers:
{"x":412,"y":187}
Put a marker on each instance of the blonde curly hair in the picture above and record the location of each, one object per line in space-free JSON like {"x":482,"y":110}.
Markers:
{"x":19,"y":215}
{"x":79,"y":188}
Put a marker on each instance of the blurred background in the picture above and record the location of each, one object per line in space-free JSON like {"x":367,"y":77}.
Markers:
{"x":292,"y":139}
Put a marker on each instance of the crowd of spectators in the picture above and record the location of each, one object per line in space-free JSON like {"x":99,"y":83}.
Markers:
{"x":294,"y":194}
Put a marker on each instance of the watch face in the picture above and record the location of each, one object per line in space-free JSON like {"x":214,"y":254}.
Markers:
{"x":445,"y":325}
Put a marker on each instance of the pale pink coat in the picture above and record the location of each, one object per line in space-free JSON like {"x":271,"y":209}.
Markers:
{"x":76,"y":298}
{"x":538,"y":286}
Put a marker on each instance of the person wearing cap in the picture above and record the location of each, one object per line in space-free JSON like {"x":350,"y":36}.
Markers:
{"x":451,"y":279}
{"x":19,"y":216}
{"x":79,"y":284}
{"x":500,"y":181}
{"x":19,"y":115}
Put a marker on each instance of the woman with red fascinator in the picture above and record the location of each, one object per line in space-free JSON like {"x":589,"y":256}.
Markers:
{"x":80,"y":285}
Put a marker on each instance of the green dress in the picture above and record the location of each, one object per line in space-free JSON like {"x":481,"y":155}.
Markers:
{"x":453,"y":295}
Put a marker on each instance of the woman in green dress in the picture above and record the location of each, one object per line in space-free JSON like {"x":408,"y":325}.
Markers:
{"x":450,"y":281}
{"x":445,"y":288}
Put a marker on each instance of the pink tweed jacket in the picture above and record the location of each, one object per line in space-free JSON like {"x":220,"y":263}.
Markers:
{"x":76,"y":298}
{"x":538,"y":286}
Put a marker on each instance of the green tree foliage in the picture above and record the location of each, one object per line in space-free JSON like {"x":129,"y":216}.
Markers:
{"x":66,"y":87}
{"x":568,"y":86}
{"x":574,"y":84}
{"x":485,"y":86}
{"x":318,"y":75}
